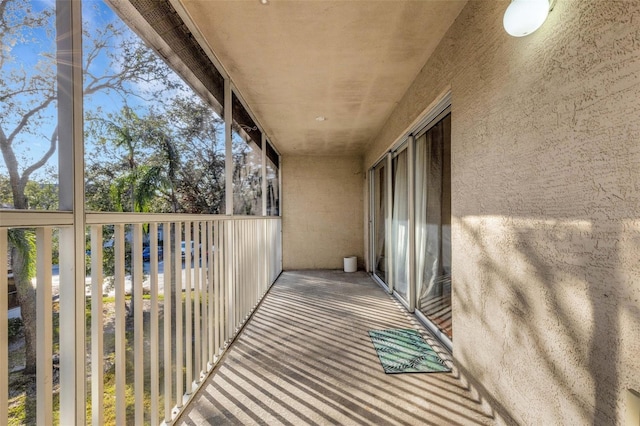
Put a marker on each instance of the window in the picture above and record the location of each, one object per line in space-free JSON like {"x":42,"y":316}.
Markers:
{"x":433,"y":224}
{"x":28,"y":106}
{"x":247,"y":162}
{"x":151,"y":143}
{"x":273,"y":182}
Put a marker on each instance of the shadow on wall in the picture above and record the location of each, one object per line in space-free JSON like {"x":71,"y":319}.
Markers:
{"x":548,"y":310}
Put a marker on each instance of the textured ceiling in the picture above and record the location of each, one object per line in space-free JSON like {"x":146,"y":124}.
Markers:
{"x":348,"y":61}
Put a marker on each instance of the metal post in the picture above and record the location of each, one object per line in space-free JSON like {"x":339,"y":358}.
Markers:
{"x":71,"y":184}
{"x":228,"y":143}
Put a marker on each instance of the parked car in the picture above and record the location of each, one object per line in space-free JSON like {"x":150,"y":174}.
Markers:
{"x":183,"y":248}
{"x":146,"y":253}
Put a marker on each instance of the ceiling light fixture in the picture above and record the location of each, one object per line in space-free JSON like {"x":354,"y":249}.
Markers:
{"x":321,"y":118}
{"x":523,"y":17}
{"x":264,"y":1}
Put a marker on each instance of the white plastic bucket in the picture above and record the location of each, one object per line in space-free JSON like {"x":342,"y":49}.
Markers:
{"x":350,"y":264}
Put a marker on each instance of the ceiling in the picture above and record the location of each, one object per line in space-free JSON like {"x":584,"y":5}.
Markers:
{"x":348,"y":61}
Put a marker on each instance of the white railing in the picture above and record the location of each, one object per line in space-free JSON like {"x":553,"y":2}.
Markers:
{"x":165,"y":297}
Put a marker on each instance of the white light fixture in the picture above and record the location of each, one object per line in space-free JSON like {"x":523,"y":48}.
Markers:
{"x":321,"y":118}
{"x":523,"y":17}
{"x":264,"y":2}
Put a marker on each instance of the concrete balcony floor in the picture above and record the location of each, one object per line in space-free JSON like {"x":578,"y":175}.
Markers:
{"x":305,"y":358}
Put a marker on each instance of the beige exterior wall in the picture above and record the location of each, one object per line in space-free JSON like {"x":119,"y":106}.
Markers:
{"x":546,"y":205}
{"x":322,"y":213}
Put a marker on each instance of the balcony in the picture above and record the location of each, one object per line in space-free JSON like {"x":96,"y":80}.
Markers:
{"x":150,"y":326}
{"x":305,"y":358}
{"x":180,"y":181}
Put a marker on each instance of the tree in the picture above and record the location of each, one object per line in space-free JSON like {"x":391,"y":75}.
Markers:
{"x":28,"y":102}
{"x":247,"y":177}
{"x":199,"y":136}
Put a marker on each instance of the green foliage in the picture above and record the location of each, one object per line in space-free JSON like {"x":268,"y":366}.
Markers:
{"x":41,"y":195}
{"x":15,"y":328}
{"x":25,"y":242}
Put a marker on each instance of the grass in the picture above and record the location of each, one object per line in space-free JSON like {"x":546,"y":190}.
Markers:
{"x":22,"y":402}
{"x":112,"y":299}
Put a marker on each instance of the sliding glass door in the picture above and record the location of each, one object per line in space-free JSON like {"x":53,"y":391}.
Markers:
{"x":433,"y":224}
{"x":411,"y":221}
{"x":380,"y":268}
{"x":400,"y":224}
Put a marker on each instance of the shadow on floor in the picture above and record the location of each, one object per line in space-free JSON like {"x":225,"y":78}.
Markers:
{"x":305,"y":358}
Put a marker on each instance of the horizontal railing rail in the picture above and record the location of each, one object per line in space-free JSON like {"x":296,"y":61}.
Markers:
{"x":165,"y":296}
{"x":30,"y":218}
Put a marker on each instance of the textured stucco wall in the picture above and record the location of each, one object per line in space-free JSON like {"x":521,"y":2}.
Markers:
{"x":546,"y":205}
{"x":322,"y":212}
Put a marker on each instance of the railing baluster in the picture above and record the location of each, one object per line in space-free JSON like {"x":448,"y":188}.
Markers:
{"x":256,"y":261}
{"x":44,"y":330}
{"x":121,"y":318}
{"x":206,"y":249}
{"x":241,"y":265}
{"x":97,"y":328}
{"x":217,"y":270}
{"x":178,"y":318}
{"x":234,"y":263}
{"x":265,"y":255}
{"x":251,"y":282}
{"x":138,"y":325}
{"x":259,"y":260}
{"x":220,"y":283}
{"x":211,"y":321}
{"x":166,"y":291}
{"x":197,"y":302}
{"x":153,"y":338}
{"x":4,"y":329}
{"x":188,"y":338}
{"x":248,"y":268}
{"x":229,"y":285}
{"x":237,"y":244}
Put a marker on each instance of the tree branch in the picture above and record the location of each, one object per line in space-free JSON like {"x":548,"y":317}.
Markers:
{"x":26,"y":117}
{"x":35,"y":166}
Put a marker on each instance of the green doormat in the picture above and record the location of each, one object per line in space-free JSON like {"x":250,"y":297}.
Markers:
{"x":405,"y":351}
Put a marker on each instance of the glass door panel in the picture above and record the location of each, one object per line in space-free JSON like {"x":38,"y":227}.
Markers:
{"x":379,"y":217}
{"x":400,"y":225}
{"x":433,"y":224}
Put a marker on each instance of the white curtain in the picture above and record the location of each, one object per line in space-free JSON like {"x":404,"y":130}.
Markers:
{"x":380,"y":201}
{"x":400,"y":225}
{"x":428,"y":215}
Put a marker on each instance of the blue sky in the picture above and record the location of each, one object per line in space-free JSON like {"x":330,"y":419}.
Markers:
{"x":30,"y":51}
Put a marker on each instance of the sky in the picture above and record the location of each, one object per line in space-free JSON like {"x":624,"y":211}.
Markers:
{"x":30,"y":50}
{"x":31,"y":55}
